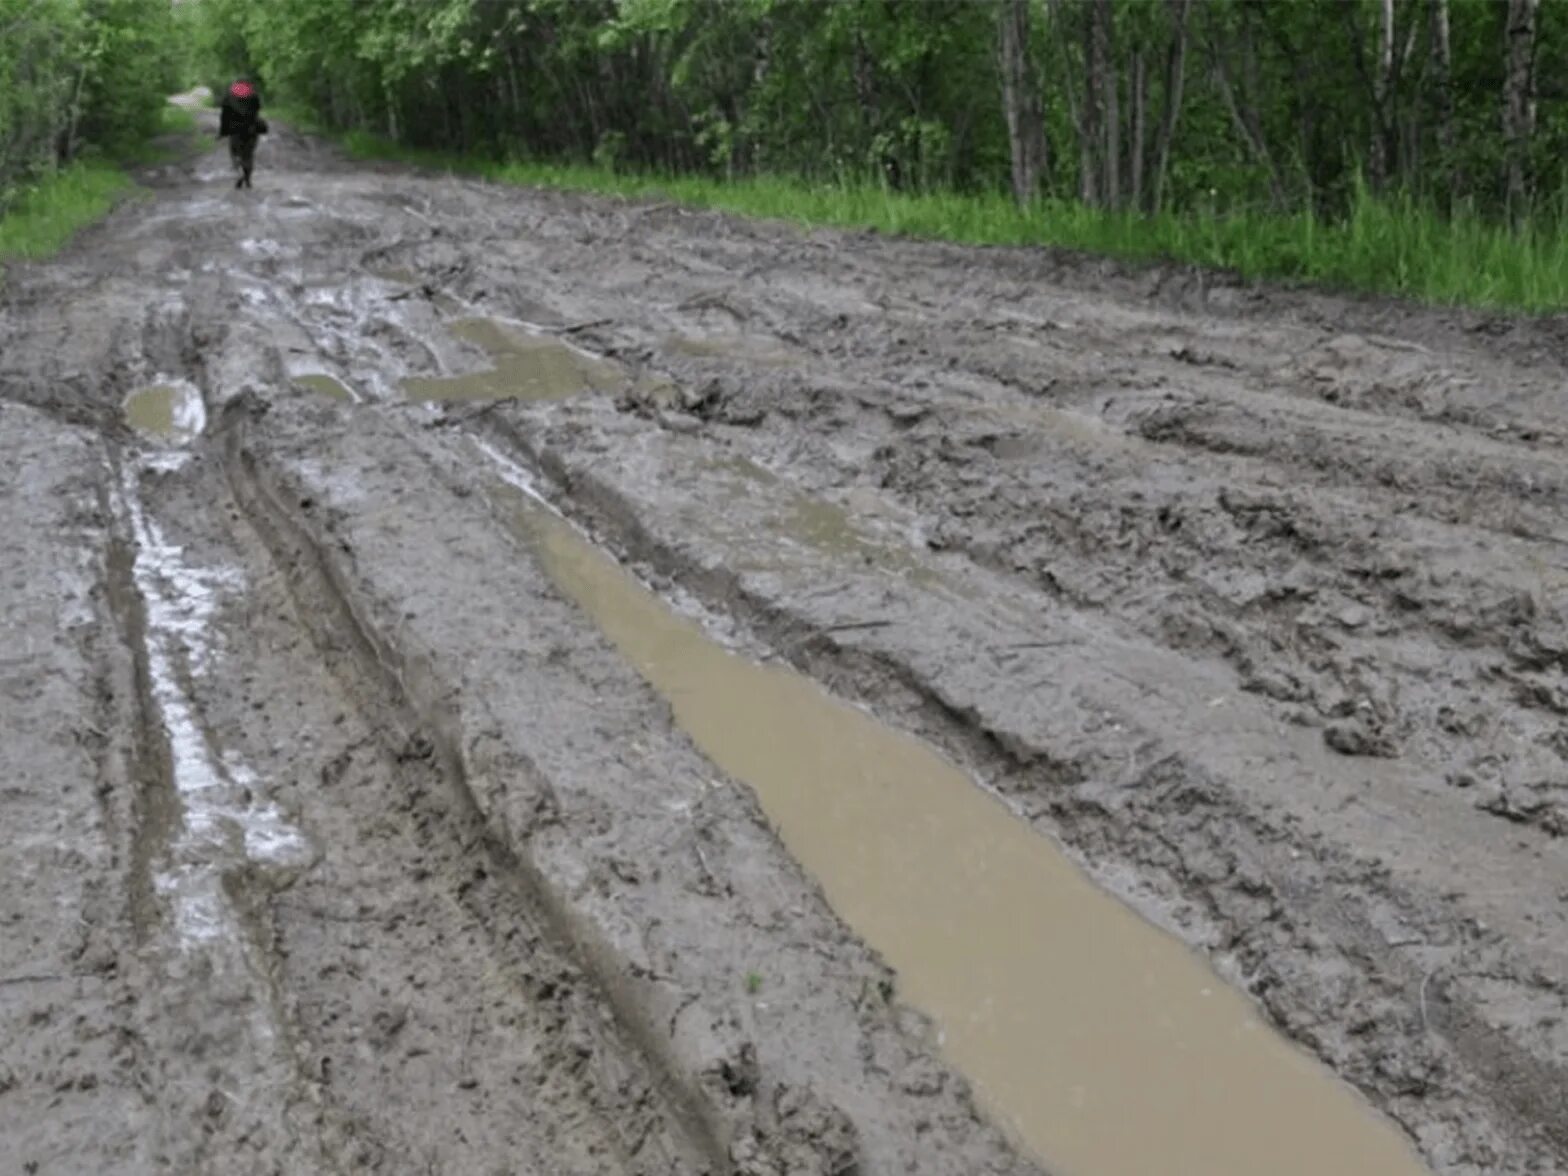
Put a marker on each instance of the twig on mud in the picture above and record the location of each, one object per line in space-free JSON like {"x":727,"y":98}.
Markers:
{"x":450,"y":419}
{"x":691,"y":999}
{"x":39,"y":979}
{"x":702,"y":860}
{"x":465,"y":1065}
{"x":584,"y":326}
{"x":412,"y":211}
{"x":847,"y":627}
{"x":1421,"y":997}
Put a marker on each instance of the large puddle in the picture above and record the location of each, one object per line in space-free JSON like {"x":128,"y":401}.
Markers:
{"x":527,"y":367}
{"x":1103,"y":1044}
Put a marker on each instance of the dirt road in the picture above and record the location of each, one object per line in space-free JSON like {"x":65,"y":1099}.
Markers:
{"x":361,"y":816}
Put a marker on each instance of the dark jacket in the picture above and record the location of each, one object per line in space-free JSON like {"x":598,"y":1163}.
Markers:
{"x":241,"y":116}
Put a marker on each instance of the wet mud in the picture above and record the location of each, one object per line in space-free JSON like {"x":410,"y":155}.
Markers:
{"x":607,"y":688}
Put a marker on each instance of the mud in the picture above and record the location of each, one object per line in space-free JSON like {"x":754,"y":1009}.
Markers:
{"x":345,"y":840}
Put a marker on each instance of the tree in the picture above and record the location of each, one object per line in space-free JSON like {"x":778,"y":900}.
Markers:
{"x":1021,"y":99}
{"x":1175,"y":80}
{"x":1519,"y":103}
{"x":1187,"y":103}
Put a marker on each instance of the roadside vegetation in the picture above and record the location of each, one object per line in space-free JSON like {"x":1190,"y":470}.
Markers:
{"x":82,"y":92}
{"x":1385,"y":244}
{"x":1409,"y":146}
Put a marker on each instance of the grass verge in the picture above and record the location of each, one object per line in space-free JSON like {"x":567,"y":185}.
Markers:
{"x":49,"y":213}
{"x":1389,"y":246}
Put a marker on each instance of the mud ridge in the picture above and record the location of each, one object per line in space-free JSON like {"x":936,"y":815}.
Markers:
{"x":408,"y":702}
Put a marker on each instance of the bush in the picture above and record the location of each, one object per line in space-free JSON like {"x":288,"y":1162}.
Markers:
{"x":79,"y":71}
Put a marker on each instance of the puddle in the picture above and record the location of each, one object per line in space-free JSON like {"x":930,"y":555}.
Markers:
{"x":172,"y":413}
{"x":527,"y":366}
{"x":1102,"y":1043}
{"x":328,"y":386}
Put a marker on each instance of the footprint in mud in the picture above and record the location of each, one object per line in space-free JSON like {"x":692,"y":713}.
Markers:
{"x":527,"y":367}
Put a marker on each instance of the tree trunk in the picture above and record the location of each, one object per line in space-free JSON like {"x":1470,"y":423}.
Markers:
{"x":1519,"y":104}
{"x":1245,"y":115}
{"x":1443,"y":69}
{"x":1092,"y":137}
{"x":1175,"y":76}
{"x":1135,"y":153}
{"x":1111,"y":80}
{"x":1382,"y":90}
{"x":1080,"y":117}
{"x":1021,"y":100}
{"x":66,"y":151}
{"x":1094,"y":113}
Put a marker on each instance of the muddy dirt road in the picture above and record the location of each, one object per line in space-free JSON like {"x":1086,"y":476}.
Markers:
{"x":508,"y":682}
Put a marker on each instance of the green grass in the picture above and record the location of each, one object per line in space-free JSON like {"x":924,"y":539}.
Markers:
{"x":49,"y":213}
{"x":1390,"y":246}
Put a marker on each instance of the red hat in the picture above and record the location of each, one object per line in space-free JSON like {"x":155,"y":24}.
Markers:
{"x":241,"y":90}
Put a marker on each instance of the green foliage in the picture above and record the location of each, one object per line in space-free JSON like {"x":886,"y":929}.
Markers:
{"x":1391,"y":245}
{"x":75,"y":72}
{"x":1281,"y":104}
{"x":176,"y":120}
{"x":1292,"y":147}
{"x":130,"y":61}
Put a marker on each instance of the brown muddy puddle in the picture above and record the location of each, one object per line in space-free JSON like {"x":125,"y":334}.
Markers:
{"x":1102,"y":1043}
{"x":527,"y":367}
{"x":172,"y":413}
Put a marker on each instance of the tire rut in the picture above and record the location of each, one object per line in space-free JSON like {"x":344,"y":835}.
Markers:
{"x":454,"y":849}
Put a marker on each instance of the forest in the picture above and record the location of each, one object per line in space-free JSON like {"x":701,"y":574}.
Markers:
{"x":1147,"y":105}
{"x":1409,"y":145}
{"x":80,"y":76}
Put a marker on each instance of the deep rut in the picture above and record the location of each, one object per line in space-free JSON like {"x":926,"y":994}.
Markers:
{"x":509,"y":1017}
